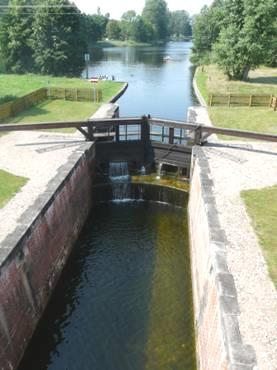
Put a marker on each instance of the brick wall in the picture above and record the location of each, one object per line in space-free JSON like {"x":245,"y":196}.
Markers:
{"x":32,"y":258}
{"x":219,"y":345}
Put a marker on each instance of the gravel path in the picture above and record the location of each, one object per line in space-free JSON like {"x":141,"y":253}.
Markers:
{"x":235,"y":167}
{"x":37,"y":156}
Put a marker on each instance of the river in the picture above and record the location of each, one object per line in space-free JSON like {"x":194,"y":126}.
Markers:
{"x":159,"y":77}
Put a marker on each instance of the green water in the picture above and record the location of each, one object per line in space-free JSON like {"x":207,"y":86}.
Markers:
{"x":124,"y":301}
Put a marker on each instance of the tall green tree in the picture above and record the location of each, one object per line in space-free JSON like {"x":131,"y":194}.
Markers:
{"x":15,"y":37}
{"x":93,"y":27}
{"x":113,"y":30}
{"x":57,"y":41}
{"x":179,"y":24}
{"x":155,"y":12}
{"x":128,"y":21}
{"x":206,"y":29}
{"x":249,"y":32}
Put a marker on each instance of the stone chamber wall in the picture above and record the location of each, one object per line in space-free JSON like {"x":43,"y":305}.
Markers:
{"x":32,"y":257}
{"x":219,"y":345}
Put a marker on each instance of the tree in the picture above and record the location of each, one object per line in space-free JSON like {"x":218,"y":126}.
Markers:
{"x":243,"y":43}
{"x":179,"y":24}
{"x":113,"y":30}
{"x":93,"y":27}
{"x":128,"y":21}
{"x":15,"y":35}
{"x":205,"y":30}
{"x":155,"y":12}
{"x":57,"y":42}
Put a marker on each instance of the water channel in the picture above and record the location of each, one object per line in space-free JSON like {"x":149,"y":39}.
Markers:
{"x":159,"y":78}
{"x":124,"y":300}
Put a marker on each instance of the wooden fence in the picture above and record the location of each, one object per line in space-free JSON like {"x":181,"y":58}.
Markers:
{"x":274,"y":102}
{"x":75,"y":94}
{"x":14,"y":107}
{"x":236,"y":100}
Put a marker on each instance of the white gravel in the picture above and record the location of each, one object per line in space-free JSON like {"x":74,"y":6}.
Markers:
{"x":37,"y":156}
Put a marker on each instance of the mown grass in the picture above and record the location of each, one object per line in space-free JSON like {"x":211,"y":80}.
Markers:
{"x":201,"y":78}
{"x":19,"y":85}
{"x":118,"y":43}
{"x":262,"y":208}
{"x":244,"y":118}
{"x":9,"y":186}
{"x":261,"y":81}
{"x":57,"y":110}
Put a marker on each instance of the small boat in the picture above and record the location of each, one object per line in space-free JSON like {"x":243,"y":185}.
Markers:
{"x":167,"y":58}
{"x":94,"y":79}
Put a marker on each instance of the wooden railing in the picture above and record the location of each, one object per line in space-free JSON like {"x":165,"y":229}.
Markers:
{"x":75,"y":94}
{"x":142,"y":129}
{"x":236,"y":100}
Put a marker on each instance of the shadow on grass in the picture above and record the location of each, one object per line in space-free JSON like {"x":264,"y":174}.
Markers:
{"x":32,"y":112}
{"x":264,"y":80}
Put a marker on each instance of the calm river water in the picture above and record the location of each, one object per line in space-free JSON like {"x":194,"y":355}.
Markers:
{"x":157,"y":86}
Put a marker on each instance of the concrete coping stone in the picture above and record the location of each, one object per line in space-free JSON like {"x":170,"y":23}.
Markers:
{"x":240,"y":355}
{"x":225,"y":285}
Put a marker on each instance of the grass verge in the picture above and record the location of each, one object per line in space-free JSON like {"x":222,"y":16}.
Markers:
{"x":244,"y":118}
{"x":261,"y":81}
{"x":9,"y":186}
{"x":19,"y":85}
{"x":262,"y":208}
{"x":118,"y":43}
{"x":57,"y":110}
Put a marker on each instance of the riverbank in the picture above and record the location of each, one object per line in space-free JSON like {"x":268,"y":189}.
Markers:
{"x":20,"y":85}
{"x":209,"y":79}
{"x":118,"y":43}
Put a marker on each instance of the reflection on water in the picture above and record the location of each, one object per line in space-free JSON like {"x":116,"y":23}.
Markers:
{"x":124,"y":301}
{"x":157,"y":86}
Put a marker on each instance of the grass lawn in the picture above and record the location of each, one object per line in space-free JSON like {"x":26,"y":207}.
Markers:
{"x":57,"y":110}
{"x":244,"y":118}
{"x":19,"y":85}
{"x":261,"y":81}
{"x":262,"y":208}
{"x":9,"y":186}
{"x":118,"y":43}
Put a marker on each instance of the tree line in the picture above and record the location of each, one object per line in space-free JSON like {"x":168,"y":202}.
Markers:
{"x":51,"y":37}
{"x":238,"y":35}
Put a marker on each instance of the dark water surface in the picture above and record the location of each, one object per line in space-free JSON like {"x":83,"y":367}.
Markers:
{"x":124,"y":300}
{"x":157,"y":86}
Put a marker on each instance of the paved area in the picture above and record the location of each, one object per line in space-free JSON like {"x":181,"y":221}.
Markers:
{"x":237,"y":166}
{"x":37,"y":156}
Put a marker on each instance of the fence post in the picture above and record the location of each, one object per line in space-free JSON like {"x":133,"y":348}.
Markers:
{"x":210,"y":100}
{"x":229,"y":100}
{"x":77,"y":95}
{"x":270,"y":101}
{"x":250,"y":100}
{"x":64,"y":94}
